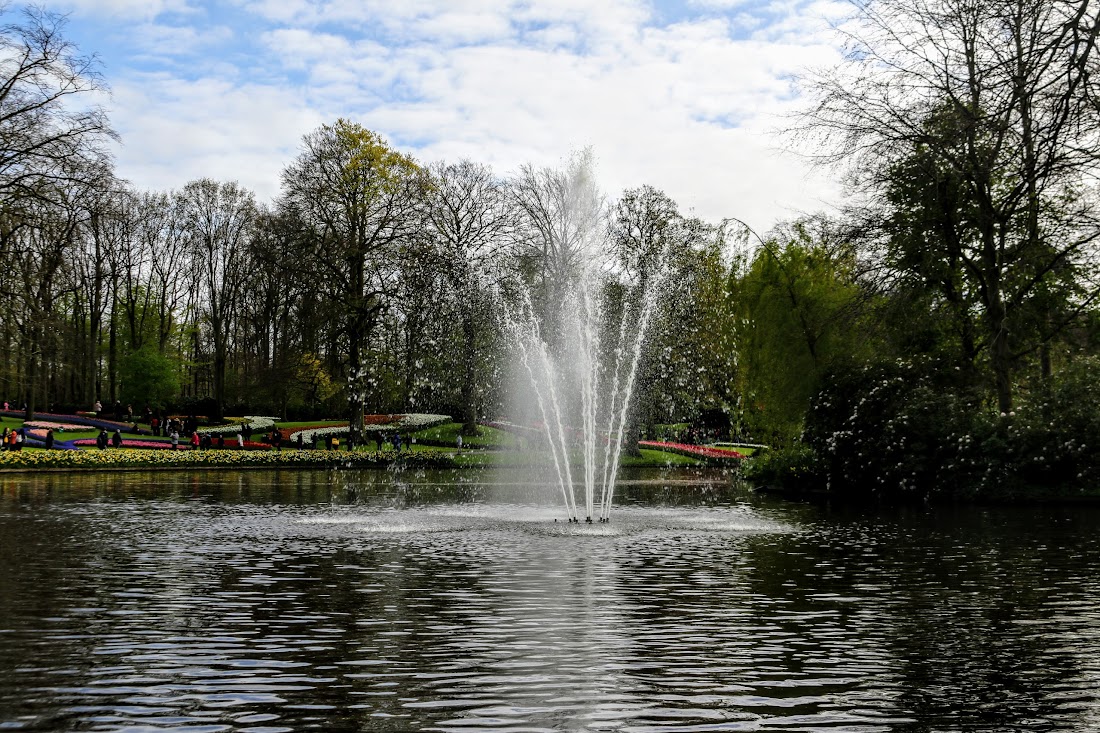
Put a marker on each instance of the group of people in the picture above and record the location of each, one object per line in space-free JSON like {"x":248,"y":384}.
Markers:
{"x":102,"y":441}
{"x":13,"y":440}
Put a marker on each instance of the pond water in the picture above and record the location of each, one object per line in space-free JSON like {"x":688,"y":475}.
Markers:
{"x":340,"y":601}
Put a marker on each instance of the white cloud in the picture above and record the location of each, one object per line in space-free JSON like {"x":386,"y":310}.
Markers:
{"x":139,"y":10}
{"x":687,"y":107}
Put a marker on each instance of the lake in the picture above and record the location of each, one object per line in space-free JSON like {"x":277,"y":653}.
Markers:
{"x":378,"y":601}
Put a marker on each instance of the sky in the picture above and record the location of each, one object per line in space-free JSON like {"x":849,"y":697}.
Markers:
{"x":688,"y":96}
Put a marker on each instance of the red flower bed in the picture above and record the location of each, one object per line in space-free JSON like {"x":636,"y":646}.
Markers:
{"x":381,"y":419}
{"x":127,"y":443}
{"x":289,"y":433}
{"x":703,"y":451}
{"x":166,"y":445}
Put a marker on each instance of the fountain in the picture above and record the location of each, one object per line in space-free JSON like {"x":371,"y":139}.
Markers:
{"x":585,"y":376}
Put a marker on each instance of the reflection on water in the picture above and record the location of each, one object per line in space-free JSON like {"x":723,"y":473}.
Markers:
{"x":265,"y":601}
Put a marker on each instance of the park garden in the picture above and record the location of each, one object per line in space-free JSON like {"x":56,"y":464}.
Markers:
{"x":937,"y":337}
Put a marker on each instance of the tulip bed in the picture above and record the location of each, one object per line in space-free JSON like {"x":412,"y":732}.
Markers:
{"x":697,"y":451}
{"x":138,"y":458}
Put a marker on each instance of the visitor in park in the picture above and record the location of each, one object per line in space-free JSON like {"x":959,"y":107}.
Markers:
{"x":378,"y":440}
{"x":335,"y":443}
{"x":301,"y":442}
{"x":4,"y":439}
{"x":458,"y":441}
{"x":49,"y":439}
{"x":101,"y":439}
{"x":116,"y":439}
{"x":129,"y":413}
{"x":154,"y":425}
{"x":97,"y":408}
{"x":175,"y":438}
{"x":20,"y":438}
{"x":194,"y":441}
{"x":221,"y":440}
{"x":409,"y":440}
{"x":397,"y":441}
{"x":240,"y":440}
{"x":11,"y":440}
{"x":277,"y":439}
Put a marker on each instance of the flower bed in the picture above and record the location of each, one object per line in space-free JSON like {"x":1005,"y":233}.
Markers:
{"x":412,"y":422}
{"x":257,"y":423}
{"x":126,"y":443}
{"x":79,"y":421}
{"x":49,"y":425}
{"x":167,"y":445}
{"x":126,"y":458}
{"x":700,"y":451}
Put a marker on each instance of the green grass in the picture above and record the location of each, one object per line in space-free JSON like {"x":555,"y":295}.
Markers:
{"x":517,"y":459}
{"x":309,"y":423}
{"x":447,"y":433}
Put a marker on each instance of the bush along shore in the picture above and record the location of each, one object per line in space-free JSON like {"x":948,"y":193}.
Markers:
{"x":912,"y":430}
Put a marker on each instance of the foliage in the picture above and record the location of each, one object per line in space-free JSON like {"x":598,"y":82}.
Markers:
{"x":793,"y":468}
{"x":913,"y":428}
{"x":148,"y":378}
{"x":797,"y":310}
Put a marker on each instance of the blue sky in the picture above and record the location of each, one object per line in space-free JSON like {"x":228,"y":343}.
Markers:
{"x":685,"y":96}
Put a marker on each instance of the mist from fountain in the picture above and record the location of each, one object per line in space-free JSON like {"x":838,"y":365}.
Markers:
{"x":574,"y":383}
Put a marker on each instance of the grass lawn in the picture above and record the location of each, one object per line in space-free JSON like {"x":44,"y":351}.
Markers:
{"x":309,"y":424}
{"x":487,"y":438}
{"x":518,"y":459}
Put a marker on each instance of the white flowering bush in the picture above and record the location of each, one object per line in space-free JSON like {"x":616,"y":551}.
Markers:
{"x":410,"y":423}
{"x":258,"y":423}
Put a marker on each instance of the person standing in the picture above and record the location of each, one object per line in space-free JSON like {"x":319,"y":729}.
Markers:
{"x":194,"y":441}
{"x":101,"y":439}
{"x":49,"y":439}
{"x":20,"y":438}
{"x":175,"y":438}
{"x":240,"y":440}
{"x":116,"y":439}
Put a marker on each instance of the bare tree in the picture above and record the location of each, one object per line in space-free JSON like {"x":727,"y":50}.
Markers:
{"x":44,"y":119}
{"x":219,"y":220}
{"x":470,"y":225}
{"x":1001,"y":96}
{"x":559,"y":227}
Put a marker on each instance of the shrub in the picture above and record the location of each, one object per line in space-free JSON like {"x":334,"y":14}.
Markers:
{"x":914,"y":428}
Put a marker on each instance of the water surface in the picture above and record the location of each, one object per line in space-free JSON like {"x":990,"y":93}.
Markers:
{"x":276,"y":601}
